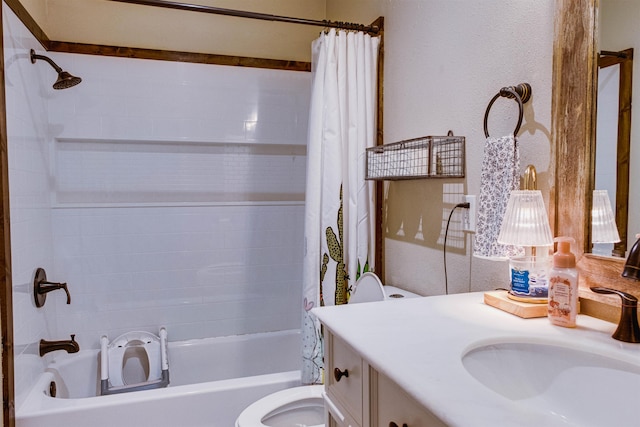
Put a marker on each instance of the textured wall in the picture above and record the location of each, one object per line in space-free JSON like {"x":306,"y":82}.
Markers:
{"x":444,"y":61}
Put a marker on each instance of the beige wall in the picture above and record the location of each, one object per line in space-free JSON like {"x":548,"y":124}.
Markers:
{"x":112,"y":23}
{"x":444,"y":61}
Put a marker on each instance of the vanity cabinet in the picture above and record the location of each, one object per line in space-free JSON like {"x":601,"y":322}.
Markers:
{"x":356,"y":395}
{"x":392,"y":406}
{"x":344,"y":381}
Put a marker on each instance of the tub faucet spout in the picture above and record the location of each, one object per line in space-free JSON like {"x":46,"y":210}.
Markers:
{"x":70,"y":346}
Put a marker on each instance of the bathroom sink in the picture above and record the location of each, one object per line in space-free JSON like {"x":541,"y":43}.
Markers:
{"x":578,"y":386}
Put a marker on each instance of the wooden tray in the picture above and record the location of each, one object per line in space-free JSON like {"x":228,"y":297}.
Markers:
{"x":500,"y":300}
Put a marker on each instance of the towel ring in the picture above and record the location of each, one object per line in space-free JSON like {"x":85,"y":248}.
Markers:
{"x":521,"y":93}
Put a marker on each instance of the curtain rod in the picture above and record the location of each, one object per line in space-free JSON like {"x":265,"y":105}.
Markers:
{"x":374,"y":29}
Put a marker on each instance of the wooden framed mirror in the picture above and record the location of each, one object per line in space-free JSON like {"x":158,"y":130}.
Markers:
{"x":614,"y":150}
{"x":573,"y":130}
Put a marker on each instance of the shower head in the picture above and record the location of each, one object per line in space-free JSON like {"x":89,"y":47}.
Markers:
{"x":65,"y":79}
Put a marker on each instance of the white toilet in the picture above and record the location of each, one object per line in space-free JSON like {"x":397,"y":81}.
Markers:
{"x":303,"y":406}
{"x":298,"y":406}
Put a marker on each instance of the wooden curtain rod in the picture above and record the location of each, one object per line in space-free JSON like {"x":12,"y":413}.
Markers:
{"x":372,"y":29}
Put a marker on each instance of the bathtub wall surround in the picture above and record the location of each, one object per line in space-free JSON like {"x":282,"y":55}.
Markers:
{"x":31,"y":224}
{"x":163,"y":193}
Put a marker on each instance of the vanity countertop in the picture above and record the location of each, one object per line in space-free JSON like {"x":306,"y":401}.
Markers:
{"x":419,"y":344}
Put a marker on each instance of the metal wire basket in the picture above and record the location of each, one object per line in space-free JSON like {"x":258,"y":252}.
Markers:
{"x":425,"y":157}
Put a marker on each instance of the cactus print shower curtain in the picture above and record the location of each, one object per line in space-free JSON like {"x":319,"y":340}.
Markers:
{"x":339,"y":223}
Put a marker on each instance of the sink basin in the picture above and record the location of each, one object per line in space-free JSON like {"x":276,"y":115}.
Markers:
{"x":580,"y":387}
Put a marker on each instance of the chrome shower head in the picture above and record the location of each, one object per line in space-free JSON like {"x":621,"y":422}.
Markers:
{"x":64,"y":80}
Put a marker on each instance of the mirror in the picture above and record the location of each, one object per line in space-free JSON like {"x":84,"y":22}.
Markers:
{"x":574,"y":71}
{"x":617,"y":35}
{"x":613,"y":141}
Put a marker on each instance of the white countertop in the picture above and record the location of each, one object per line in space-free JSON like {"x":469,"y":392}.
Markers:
{"x":419,"y":344}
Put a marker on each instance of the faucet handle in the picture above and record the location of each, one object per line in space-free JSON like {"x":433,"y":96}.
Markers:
{"x":627,"y":299}
{"x":628,"y":328}
{"x":41,"y":287}
{"x":64,"y":286}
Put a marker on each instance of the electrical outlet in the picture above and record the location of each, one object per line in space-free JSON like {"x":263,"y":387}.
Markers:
{"x":469,"y":215}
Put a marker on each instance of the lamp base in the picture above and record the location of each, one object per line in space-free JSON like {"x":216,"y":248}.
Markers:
{"x":530,"y":300}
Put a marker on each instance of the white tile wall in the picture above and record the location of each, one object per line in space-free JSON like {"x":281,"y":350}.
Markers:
{"x":200,"y":270}
{"x":170,"y":172}
{"x":144,"y":233}
{"x":135,"y":98}
{"x":29,"y":181}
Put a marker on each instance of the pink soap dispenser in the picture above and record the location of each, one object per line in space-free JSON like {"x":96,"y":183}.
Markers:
{"x":562,"y":306}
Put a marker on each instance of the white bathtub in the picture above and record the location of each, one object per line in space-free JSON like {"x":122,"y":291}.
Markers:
{"x":212,"y":381}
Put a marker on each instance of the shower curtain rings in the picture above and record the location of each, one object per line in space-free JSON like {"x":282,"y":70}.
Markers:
{"x":521,"y":93}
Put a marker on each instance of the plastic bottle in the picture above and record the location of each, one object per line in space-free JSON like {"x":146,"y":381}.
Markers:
{"x":562,"y":306}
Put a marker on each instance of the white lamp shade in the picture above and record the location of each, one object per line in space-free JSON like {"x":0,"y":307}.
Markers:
{"x":525,"y":221}
{"x":603,"y":223}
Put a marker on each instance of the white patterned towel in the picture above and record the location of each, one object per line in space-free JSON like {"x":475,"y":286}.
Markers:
{"x":500,"y":175}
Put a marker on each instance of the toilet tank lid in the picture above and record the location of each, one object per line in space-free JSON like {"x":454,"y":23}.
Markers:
{"x":393,"y":290}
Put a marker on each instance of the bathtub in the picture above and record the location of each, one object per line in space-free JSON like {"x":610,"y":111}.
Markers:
{"x":212,"y":381}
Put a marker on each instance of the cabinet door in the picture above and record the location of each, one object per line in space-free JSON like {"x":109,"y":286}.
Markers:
{"x":346,"y":422}
{"x":391,"y":406}
{"x":344,"y":376}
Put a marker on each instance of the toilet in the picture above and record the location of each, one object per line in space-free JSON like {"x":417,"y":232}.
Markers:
{"x":304,"y":406}
{"x":134,"y":361}
{"x":298,"y":406}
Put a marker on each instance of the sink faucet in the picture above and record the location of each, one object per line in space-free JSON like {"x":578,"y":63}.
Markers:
{"x":632,"y":266}
{"x":628,"y":328}
{"x":70,"y":346}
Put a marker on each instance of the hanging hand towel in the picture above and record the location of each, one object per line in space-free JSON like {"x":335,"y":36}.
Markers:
{"x":499,"y":177}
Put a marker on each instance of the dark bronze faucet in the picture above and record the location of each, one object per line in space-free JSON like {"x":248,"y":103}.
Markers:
{"x":628,"y":328}
{"x":632,"y":266}
{"x":70,"y":346}
{"x":41,"y":287}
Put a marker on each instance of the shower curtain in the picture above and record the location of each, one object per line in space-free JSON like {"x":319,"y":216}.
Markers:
{"x":339,"y":222}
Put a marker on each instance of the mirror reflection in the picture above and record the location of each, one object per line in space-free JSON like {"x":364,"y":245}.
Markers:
{"x":613,"y":134}
{"x":617,"y":140}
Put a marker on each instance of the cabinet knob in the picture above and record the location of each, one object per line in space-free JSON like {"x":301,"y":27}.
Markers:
{"x":338,"y":374}
{"x":392,"y":424}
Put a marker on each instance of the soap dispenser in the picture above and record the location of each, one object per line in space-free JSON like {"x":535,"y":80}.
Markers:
{"x":562,"y":305}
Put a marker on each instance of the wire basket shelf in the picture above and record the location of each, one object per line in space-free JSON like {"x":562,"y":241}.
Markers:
{"x":425,"y":157}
